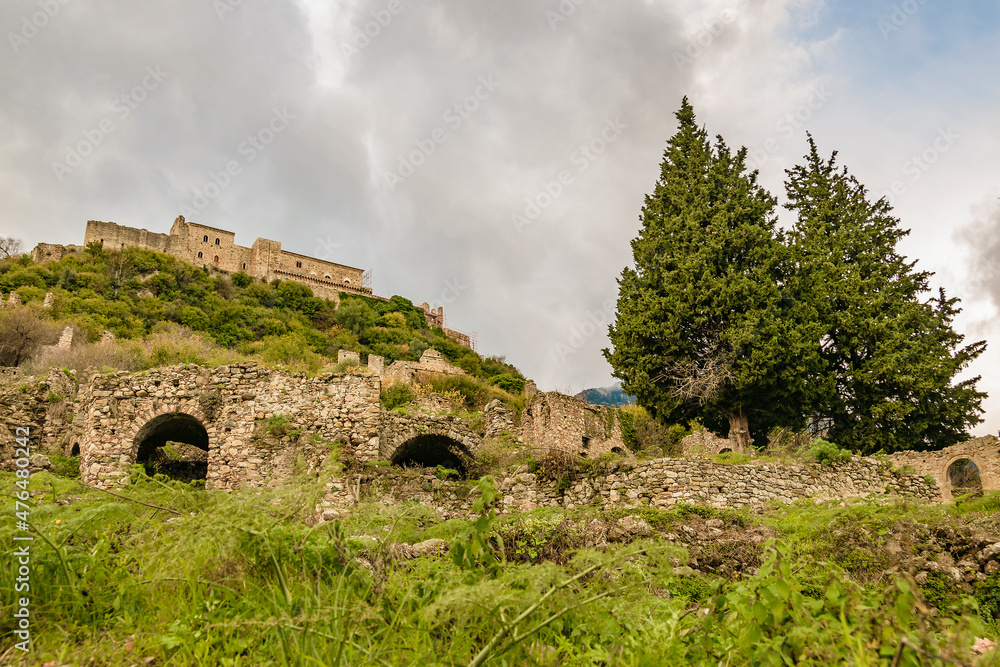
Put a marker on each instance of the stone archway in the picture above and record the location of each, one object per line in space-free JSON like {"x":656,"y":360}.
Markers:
{"x":175,"y":444}
{"x":962,"y":475}
{"x":430,"y":450}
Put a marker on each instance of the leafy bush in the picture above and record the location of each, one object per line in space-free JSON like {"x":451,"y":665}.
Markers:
{"x":475,"y":393}
{"x":509,"y":383}
{"x":827,"y":453}
{"x":241,"y":279}
{"x":396,"y":395}
{"x":641,"y":433}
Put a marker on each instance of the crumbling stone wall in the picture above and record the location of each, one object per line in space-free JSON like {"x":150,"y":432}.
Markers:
{"x":566,"y":423}
{"x":233,"y":404}
{"x":984,"y":452}
{"x":431,"y":364}
{"x":115,"y":237}
{"x":51,"y":252}
{"x":657,"y":483}
{"x":44,"y":405}
{"x":499,"y":418}
{"x":706,"y":443}
{"x":398,"y":429}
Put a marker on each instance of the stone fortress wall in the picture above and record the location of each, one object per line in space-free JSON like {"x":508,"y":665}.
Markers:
{"x":202,"y":245}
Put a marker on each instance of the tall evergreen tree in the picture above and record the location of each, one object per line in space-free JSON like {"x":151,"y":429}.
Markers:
{"x":705,"y":328}
{"x":890,"y":357}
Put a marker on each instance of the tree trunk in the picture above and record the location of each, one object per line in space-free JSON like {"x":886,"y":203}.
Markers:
{"x":739,"y":431}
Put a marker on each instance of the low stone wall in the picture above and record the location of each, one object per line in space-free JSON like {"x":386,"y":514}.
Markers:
{"x":659,"y":483}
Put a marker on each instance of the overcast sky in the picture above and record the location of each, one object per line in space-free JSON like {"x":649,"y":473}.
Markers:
{"x":492,"y":157}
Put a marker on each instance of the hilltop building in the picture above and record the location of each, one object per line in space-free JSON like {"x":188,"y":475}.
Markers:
{"x":202,"y":245}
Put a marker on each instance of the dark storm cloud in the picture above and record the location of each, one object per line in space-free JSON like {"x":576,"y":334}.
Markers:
{"x":983,"y":241}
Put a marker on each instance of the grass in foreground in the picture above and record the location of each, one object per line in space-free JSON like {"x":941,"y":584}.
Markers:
{"x":208,"y":578}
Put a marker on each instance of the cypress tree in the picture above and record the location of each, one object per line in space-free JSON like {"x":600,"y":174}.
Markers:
{"x":890,"y":353}
{"x":705,"y":326}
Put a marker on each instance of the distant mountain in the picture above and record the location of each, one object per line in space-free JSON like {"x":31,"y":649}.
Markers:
{"x":612,"y":395}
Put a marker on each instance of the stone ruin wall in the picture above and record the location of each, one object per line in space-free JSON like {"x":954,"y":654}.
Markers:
{"x":409,"y":372}
{"x":52,"y":252}
{"x":658,"y":483}
{"x":44,"y":405}
{"x":242,"y":452}
{"x":115,"y":237}
{"x":103,"y":418}
{"x":565,"y":423}
{"x":706,"y":443}
{"x":984,"y":452}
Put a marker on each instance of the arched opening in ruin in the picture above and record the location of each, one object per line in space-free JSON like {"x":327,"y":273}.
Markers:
{"x":963,"y":477}
{"x":76,"y":449}
{"x":725,"y":450}
{"x":432,"y":450}
{"x":174,"y":444}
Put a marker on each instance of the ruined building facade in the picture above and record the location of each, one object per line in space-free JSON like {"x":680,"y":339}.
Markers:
{"x":202,"y":245}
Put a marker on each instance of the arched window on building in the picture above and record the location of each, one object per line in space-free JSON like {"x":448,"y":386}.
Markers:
{"x":244,"y":266}
{"x":205,"y":240}
{"x":298,"y":265}
{"x":199,"y":255}
{"x":216,"y":241}
{"x":216,"y":260}
{"x":347,"y":280}
{"x":327,"y":276}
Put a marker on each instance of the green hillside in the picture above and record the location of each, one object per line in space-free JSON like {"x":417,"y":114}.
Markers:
{"x":163,"y":310}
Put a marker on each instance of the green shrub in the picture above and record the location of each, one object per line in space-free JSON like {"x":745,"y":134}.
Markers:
{"x":827,"y":453}
{"x":626,"y":422}
{"x":241,"y":279}
{"x":278,"y":425}
{"x":65,"y":466}
{"x":509,"y":383}
{"x":398,"y":394}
